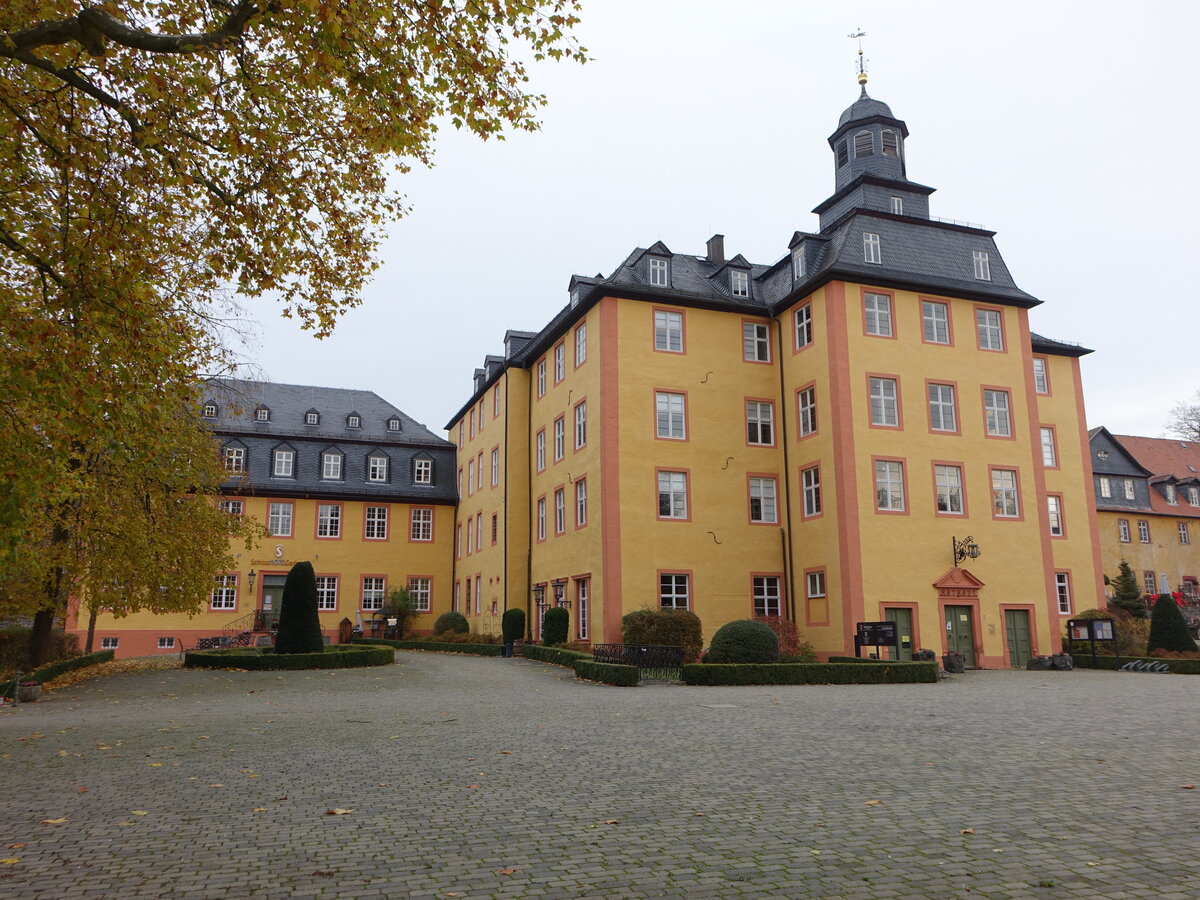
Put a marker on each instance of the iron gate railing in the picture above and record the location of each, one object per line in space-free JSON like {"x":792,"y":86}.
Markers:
{"x":653,"y":660}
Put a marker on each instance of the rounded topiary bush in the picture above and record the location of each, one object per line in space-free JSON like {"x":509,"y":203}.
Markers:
{"x":744,"y":641}
{"x":512,"y":624}
{"x":451,"y":621}
{"x":555,"y":626}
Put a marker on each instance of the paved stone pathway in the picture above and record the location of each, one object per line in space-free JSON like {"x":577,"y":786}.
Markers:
{"x":471,"y":777}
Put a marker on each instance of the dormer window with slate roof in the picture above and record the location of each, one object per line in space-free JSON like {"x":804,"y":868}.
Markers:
{"x":234,"y":457}
{"x":1169,"y":493}
{"x":422,"y":470}
{"x":354,"y":420}
{"x":983,"y":269}
{"x":331,"y":465}
{"x":891,"y":143}
{"x":798,"y":262}
{"x":377,"y":468}
{"x":739,"y":283}
{"x":872,"y":250}
{"x":864,"y":144}
{"x":897,"y":205}
{"x":283,"y":462}
{"x":393,"y":424}
{"x":1193,"y":496}
{"x":209,"y":410}
{"x":262,"y":414}
{"x":660,"y":271}
{"x":312,"y":417}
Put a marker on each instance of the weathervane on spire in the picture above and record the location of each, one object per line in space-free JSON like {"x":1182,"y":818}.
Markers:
{"x":862,"y":65}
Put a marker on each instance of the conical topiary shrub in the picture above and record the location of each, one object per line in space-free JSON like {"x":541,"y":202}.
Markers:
{"x":1168,"y":628}
{"x":299,"y":625}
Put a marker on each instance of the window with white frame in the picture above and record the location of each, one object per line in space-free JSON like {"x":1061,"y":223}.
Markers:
{"x":760,"y":422}
{"x":672,"y":495}
{"x":1149,"y":583}
{"x":947,"y":481}
{"x":739,"y":283}
{"x":495,"y":401}
{"x":889,"y":485}
{"x":262,"y":414}
{"x":1055,"y":516}
{"x":581,"y":510}
{"x":935,"y":322}
{"x":458,"y":542}
{"x":327,"y":586}
{"x":798,"y":263}
{"x":983,"y":269}
{"x":756,"y":344}
{"x":1041,"y":383}
{"x":674,"y":590}
{"x":560,"y":511}
{"x":995,"y":408}
{"x":806,"y":409}
{"x":372,"y":592}
{"x":393,"y":424}
{"x":762,"y":500}
{"x":581,"y":344}
{"x":479,"y":472}
{"x":802,"y":318}
{"x":231,"y":507}
{"x":810,"y":482}
{"x":376,"y":523}
{"x":897,"y":205}
{"x":560,"y":363}
{"x":989,"y":328}
{"x":560,"y":438}
{"x":329,"y":520}
{"x":581,"y":425}
{"x":540,"y":450}
{"x":659,"y":272}
{"x":668,"y":331}
{"x":1193,"y":496}
{"x":312,"y":417}
{"x":331,"y":466}
{"x":224,"y":595}
{"x":942,"y":415}
{"x":864,"y":144}
{"x":1143,"y":531}
{"x":478,"y":593}
{"x":884,"y":407}
{"x":814,"y":584}
{"x":1184,"y":535}
{"x":377,"y":468}
{"x":877,"y":312}
{"x":279,"y":519}
{"x":421,"y":524}
{"x":541,"y":377}
{"x":1123,"y":531}
{"x":582,"y":592}
{"x":166,"y":643}
{"x":470,"y":535}
{"x":210,"y":411}
{"x":423,"y":471}
{"x":419,"y":591}
{"x":1169,"y":493}
{"x":1062,"y":588}
{"x":495,"y":466}
{"x":1130,"y":492}
{"x":478,"y":532}
{"x":1049,"y":453}
{"x":766,"y":595}
{"x":235,"y":459}
{"x":670,"y":419}
{"x":1104,"y":485}
{"x":872,"y":249}
{"x":470,"y":477}
{"x":541,"y":518}
{"x":109,"y":643}
{"x":284,"y":463}
{"x":1005,"y":503}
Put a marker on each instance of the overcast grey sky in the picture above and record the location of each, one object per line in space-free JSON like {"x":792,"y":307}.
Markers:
{"x":1058,"y":125}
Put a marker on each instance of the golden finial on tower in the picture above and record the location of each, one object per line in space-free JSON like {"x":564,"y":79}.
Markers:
{"x":862,"y":65}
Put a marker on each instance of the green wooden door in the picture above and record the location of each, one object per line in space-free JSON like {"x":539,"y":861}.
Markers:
{"x":1016,"y":628}
{"x":903,"y":619}
{"x":960,"y":635}
{"x":272,"y":601}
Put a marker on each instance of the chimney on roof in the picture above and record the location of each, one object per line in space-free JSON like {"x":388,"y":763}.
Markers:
{"x":716,"y":249}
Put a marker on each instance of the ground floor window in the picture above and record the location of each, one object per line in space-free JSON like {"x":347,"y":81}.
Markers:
{"x":326,"y":592}
{"x":1062,"y":586}
{"x":166,"y":643}
{"x":372,"y":592}
{"x":419,"y":590}
{"x":582,"y":587}
{"x":766,"y":595}
{"x":109,"y":643}
{"x":674,"y":590}
{"x":224,"y":595}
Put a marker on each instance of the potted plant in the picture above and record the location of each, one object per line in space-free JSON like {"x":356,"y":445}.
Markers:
{"x":28,"y":691}
{"x":954,"y":662}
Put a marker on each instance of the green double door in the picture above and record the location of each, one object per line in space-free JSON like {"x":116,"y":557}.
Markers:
{"x":902,"y":616}
{"x":960,"y":633}
{"x":1016,"y":629}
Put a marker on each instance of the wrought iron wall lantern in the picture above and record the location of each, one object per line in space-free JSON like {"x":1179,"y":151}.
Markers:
{"x":964,"y":549}
{"x":250,"y":576}
{"x":560,"y":592}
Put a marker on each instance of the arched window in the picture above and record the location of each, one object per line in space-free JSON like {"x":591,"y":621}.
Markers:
{"x":864,"y":144}
{"x":891,"y":143}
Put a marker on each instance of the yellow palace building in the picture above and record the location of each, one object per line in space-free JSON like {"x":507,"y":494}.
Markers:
{"x":865,"y":429}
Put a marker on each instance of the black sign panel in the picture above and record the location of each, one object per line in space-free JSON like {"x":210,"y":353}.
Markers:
{"x":877,"y":634}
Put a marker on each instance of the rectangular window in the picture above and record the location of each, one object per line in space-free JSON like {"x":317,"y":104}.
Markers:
{"x":560,"y":511}
{"x":1184,"y":536}
{"x":1169,"y":492}
{"x":814,"y":584}
{"x":479,"y":472}
{"x":166,"y":643}
{"x":1149,"y":583}
{"x":377,"y":469}
{"x":327,"y":592}
{"x":804,"y":326}
{"x":478,"y":533}
{"x":942,"y":414}
{"x":470,"y":477}
{"x":798,"y":266}
{"x":560,"y":438}
{"x":495,"y":527}
{"x":674,"y":590}
{"x":872,"y":251}
{"x":1004,"y":494}
{"x":279,"y":519}
{"x":739,"y":283}
{"x":884,"y":408}
{"x":541,"y":378}
{"x":668,"y":331}
{"x":372,"y":592}
{"x":581,"y":511}
{"x":756,"y":344}
{"x":889,"y":485}
{"x":540,"y":453}
{"x":1041,"y":383}
{"x":995,"y":407}
{"x":331,"y":466}
{"x":495,"y":466}
{"x":419,"y":591}
{"x":581,"y":608}
{"x":1193,"y":496}
{"x":658,"y":272}
{"x":541,"y":518}
{"x":983,"y":269}
{"x":935,"y":322}
{"x":470,"y":535}
{"x":285,"y":462}
{"x":1054,"y":515}
{"x":672,"y":495}
{"x":877,"y":311}
{"x":670,"y":421}
{"x":421,"y":524}
{"x":231,"y":507}
{"x":1049,"y":454}
{"x":560,"y":363}
{"x":990,"y":330}
{"x":1130,"y":493}
{"x":1143,"y":531}
{"x":1123,"y":530}
{"x":235,"y":459}
{"x":806,"y":410}
{"x":423,"y":471}
{"x":581,"y":425}
{"x":1062,"y":587}
{"x":581,"y":344}
{"x":1105,"y":486}
{"x":376,"y":523}
{"x":329,"y":520}
{"x":762,"y":500}
{"x":458,"y":541}
{"x":495,"y":401}
{"x":948,"y":484}
{"x":760,"y":422}
{"x":766,"y":595}
{"x":810,"y":481}
{"x":897,"y":205}
{"x":109,"y":643}
{"x":262,"y":414}
{"x":224,"y":595}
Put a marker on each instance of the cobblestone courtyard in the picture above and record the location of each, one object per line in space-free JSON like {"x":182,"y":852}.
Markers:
{"x":471,"y":777}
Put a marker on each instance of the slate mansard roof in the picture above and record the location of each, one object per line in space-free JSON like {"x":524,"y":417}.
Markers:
{"x":237,"y":424}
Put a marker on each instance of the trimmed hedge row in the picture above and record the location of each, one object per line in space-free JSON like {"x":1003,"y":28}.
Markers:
{"x":1177,"y":666}
{"x":606,"y":673}
{"x":336,"y":656}
{"x":52,"y":670}
{"x":554,"y":655}
{"x":443,"y":647}
{"x":811,"y":673}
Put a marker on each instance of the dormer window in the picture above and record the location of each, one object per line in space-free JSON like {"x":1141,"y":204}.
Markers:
{"x":872,"y":250}
{"x":262,"y":414}
{"x":891,"y":143}
{"x":864,"y":144}
{"x":798,"y":263}
{"x":843,"y":153}
{"x":353,"y":421}
{"x":1169,"y":490}
{"x":377,"y":468}
{"x":331,"y":465}
{"x":423,"y":471}
{"x":574,"y":297}
{"x":209,"y":411}
{"x":1194,"y":496}
{"x":658,"y":272}
{"x":739,"y":283}
{"x":983,"y":269}
{"x":283,"y":463}
{"x":393,"y":424}
{"x":897,"y":205}
{"x":312,"y":417}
